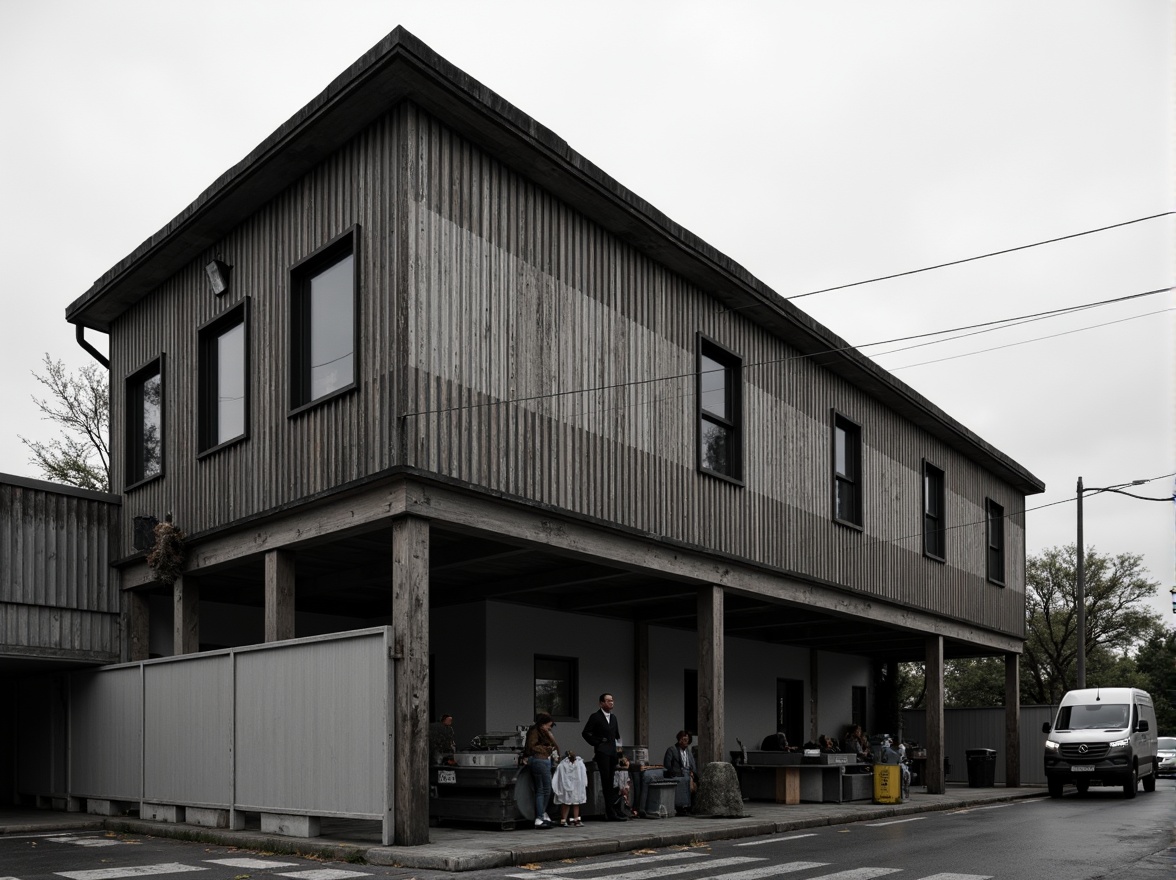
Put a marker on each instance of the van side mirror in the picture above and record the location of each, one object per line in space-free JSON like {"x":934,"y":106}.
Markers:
{"x":1141,"y":726}
{"x":1045,"y":727}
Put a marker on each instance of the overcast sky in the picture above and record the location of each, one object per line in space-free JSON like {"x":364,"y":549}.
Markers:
{"x":815,"y":143}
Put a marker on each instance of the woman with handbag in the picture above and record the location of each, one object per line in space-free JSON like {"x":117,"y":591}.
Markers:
{"x":540,"y":751}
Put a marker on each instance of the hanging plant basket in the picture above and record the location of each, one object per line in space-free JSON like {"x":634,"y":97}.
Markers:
{"x":166,"y":559}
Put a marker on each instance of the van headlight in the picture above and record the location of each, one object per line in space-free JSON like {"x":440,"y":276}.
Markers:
{"x":1051,"y":746}
{"x":1120,"y":743}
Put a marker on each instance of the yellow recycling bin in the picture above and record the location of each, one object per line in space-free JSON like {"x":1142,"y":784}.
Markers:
{"x":887,"y":784}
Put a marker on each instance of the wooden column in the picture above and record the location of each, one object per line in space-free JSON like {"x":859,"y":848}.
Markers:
{"x":641,"y":683}
{"x":186,"y":615}
{"x":710,"y":675}
{"x":814,"y":703}
{"x":410,"y":711}
{"x":138,"y":645}
{"x":936,"y":779}
{"x":279,"y":595}
{"x":1012,"y":720}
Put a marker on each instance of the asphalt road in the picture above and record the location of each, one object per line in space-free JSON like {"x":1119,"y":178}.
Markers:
{"x":1100,"y":835}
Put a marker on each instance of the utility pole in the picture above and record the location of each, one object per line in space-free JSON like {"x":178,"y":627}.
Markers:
{"x":1080,"y":597}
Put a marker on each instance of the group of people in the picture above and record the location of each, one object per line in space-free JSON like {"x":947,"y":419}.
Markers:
{"x":564,"y":780}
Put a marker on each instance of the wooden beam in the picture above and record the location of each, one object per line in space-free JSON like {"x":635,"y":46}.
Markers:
{"x":936,"y":781}
{"x":138,"y":623}
{"x":641,"y":682}
{"x":410,"y":639}
{"x":814,"y":701}
{"x":1012,"y":720}
{"x":710,"y":675}
{"x":279,"y":595}
{"x":186,"y":615}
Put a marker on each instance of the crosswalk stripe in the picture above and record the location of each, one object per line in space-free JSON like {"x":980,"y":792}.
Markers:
{"x":894,"y":822}
{"x":958,"y":877}
{"x":858,"y":874}
{"x":978,"y":809}
{"x":776,"y":839}
{"x":137,"y":871}
{"x":767,"y":871}
{"x":619,"y":863}
{"x":250,"y":863}
{"x":85,"y":841}
{"x":322,"y":874}
{"x":648,"y":874}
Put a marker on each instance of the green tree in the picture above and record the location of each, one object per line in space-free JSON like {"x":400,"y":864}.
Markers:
{"x":1156,"y":662}
{"x":79,"y":403}
{"x":1116,"y":620}
{"x":978,"y":681}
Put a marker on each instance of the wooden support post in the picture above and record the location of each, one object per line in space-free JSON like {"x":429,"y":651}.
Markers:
{"x":186,"y":615}
{"x":710,"y":675}
{"x":814,"y":703}
{"x":936,"y":778}
{"x":1012,"y":720}
{"x":641,"y":683}
{"x":138,"y":644}
{"x":279,"y":595}
{"x":410,"y":640}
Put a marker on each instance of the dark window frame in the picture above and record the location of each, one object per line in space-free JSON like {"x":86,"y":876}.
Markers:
{"x":133,"y":385}
{"x":732,"y":420}
{"x":994,"y":516}
{"x":573,"y":685}
{"x":934,"y":522}
{"x":207,"y":390}
{"x":302,"y":273}
{"x":853,"y":480}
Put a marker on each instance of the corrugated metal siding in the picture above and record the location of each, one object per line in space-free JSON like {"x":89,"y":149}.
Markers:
{"x":56,"y":588}
{"x":511,"y":295}
{"x":984,"y":728}
{"x":106,"y":734}
{"x":187,"y":751}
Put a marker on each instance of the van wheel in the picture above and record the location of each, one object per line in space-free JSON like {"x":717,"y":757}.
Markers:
{"x":1149,"y":782}
{"x":1055,"y":787}
{"x":1131,"y":786}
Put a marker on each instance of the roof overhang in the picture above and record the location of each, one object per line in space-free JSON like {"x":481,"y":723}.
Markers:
{"x":402,"y":68}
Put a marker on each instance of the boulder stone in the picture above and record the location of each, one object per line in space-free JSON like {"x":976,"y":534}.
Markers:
{"x":718,"y":792}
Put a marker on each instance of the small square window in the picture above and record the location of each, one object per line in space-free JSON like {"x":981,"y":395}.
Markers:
{"x":719,"y":411}
{"x":996,"y":541}
{"x":145,"y":404}
{"x":224,"y":379}
{"x":557,"y":687}
{"x":934,"y":513}
{"x":324,"y":330}
{"x":847,"y":471}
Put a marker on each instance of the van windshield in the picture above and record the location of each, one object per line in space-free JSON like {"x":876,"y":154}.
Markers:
{"x":1097,"y":716}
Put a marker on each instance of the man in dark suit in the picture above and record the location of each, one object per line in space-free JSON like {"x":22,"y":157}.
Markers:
{"x":603,"y":733}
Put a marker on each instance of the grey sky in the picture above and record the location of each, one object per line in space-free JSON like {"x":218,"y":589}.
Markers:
{"x":815,"y":143}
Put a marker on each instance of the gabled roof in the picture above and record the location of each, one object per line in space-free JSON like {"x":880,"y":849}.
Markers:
{"x":400,"y":67}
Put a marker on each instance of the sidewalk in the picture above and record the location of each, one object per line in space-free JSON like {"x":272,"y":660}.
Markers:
{"x":470,"y":848}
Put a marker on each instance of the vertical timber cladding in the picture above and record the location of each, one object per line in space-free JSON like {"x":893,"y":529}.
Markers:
{"x":550,"y":360}
{"x":282,"y":458}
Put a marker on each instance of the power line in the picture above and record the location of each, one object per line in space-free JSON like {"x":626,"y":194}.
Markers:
{"x":980,"y":257}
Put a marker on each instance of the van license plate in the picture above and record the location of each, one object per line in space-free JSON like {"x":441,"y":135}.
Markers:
{"x":1082,"y":768}
{"x":449,"y":777}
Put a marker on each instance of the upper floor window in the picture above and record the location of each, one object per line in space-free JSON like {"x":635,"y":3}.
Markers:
{"x":224,"y":385}
{"x":934,"y":513}
{"x":847,"y":471}
{"x":323,"y":333}
{"x":995,"y":516}
{"x":145,"y":423}
{"x":719,"y":411}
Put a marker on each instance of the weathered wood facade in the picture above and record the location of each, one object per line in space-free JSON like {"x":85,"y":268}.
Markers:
{"x":526,"y":408}
{"x":59,"y":602}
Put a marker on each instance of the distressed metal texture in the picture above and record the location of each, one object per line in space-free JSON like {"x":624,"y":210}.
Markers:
{"x":106,"y":734}
{"x":188,"y":733}
{"x":57,"y":593}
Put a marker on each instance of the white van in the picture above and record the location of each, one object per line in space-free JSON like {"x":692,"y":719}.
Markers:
{"x":1102,"y":736}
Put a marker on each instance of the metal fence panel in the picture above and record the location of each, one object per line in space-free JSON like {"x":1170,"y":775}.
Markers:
{"x":106,"y":733}
{"x":187,"y":750}
{"x":984,"y":729}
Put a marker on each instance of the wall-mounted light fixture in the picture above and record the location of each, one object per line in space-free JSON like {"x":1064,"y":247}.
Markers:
{"x":218,"y":276}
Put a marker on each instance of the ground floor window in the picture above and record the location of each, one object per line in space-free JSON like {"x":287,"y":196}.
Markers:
{"x":557,"y":687}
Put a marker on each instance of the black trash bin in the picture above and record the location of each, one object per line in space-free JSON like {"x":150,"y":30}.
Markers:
{"x":981,"y":768}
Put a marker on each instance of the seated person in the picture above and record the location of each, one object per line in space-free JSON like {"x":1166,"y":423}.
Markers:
{"x":827,"y":745}
{"x":776,"y":742}
{"x":855,"y":742}
{"x":442,"y":743}
{"x":679,"y":762}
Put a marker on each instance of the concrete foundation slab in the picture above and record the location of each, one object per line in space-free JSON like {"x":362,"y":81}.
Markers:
{"x":289,"y":826}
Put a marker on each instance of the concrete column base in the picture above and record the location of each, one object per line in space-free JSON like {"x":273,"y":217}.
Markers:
{"x":289,"y":826}
{"x":162,"y":813}
{"x":75,"y":805}
{"x":209,"y":817}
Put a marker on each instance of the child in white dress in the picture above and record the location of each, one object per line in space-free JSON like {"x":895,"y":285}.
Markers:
{"x":569,"y":784}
